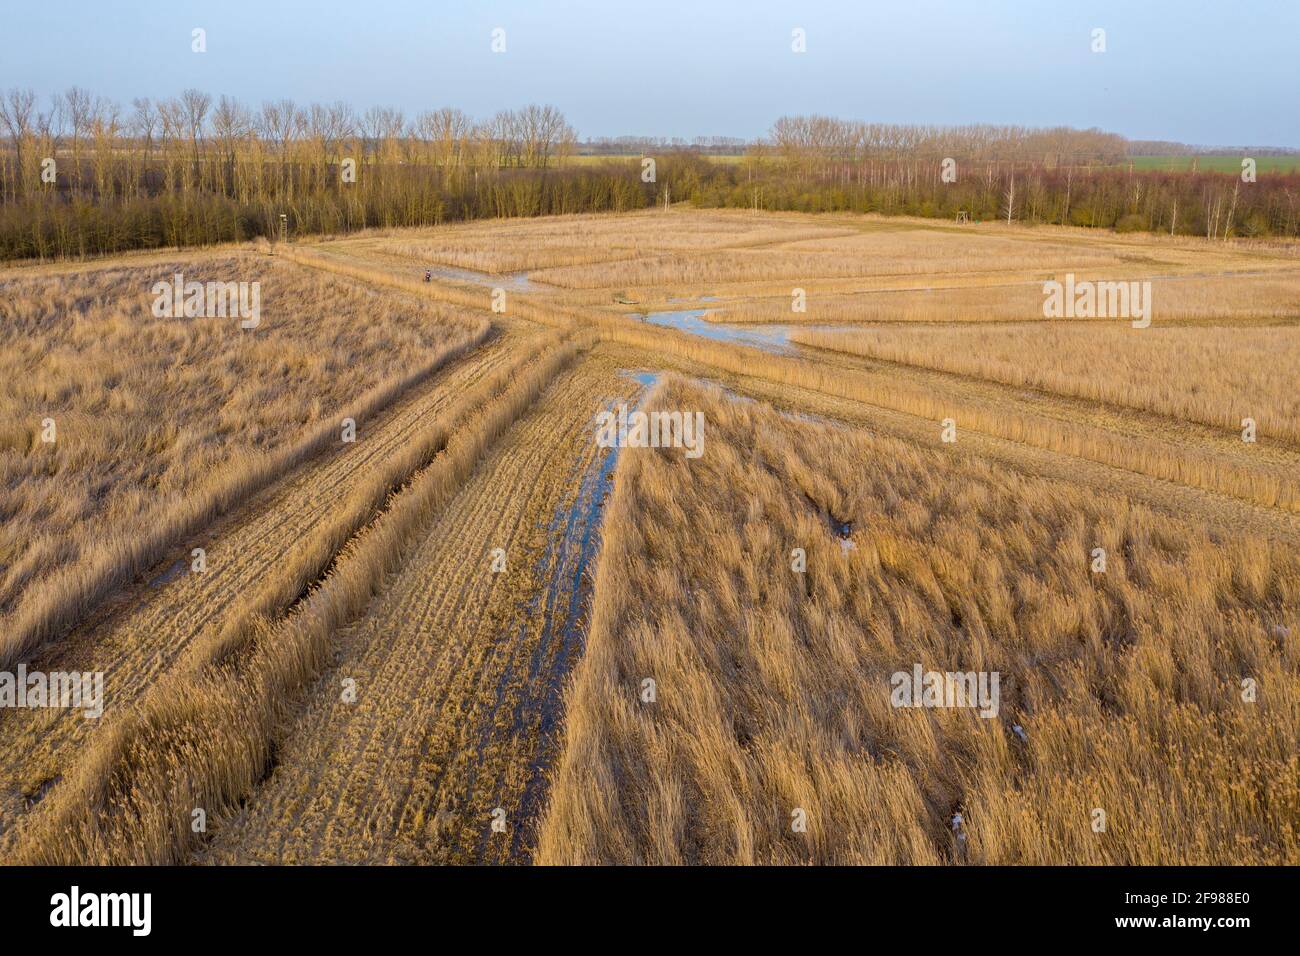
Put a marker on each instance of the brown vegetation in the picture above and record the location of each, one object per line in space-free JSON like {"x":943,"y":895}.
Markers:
{"x":1216,"y":375}
{"x":1003,"y":297}
{"x":773,"y":686}
{"x":202,"y":738}
{"x":1201,"y":466}
{"x":85,"y":351}
{"x":372,"y":561}
{"x":458,"y":667}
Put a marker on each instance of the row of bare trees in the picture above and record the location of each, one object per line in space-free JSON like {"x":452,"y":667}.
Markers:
{"x":81,"y":174}
{"x":91,"y":146}
{"x":1060,"y":175}
{"x":820,"y":144}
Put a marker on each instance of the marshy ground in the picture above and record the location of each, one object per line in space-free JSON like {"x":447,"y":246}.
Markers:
{"x":355,"y":677}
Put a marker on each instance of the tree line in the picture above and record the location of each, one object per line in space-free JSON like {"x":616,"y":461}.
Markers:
{"x":814,"y":142}
{"x":1062,"y":176}
{"x":1209,"y":204}
{"x":82,"y":175}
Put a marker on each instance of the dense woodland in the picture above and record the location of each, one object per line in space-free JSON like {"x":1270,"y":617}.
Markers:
{"x":1074,"y":177}
{"x":82,"y":175}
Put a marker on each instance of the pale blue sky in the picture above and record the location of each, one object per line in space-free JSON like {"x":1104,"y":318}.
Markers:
{"x":1191,"y":70}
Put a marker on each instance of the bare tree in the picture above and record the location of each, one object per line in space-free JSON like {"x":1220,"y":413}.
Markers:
{"x":78,"y":107}
{"x":447,"y":131}
{"x":106,"y":127}
{"x":277,"y":123}
{"x":382,"y":127}
{"x":231,"y":122}
{"x":195,"y":105}
{"x":144,"y":121}
{"x":16,"y":109}
{"x":144,"y":127}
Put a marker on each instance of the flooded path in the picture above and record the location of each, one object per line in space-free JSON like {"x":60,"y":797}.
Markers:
{"x":569,"y":569}
{"x":510,"y":281}
{"x":768,"y":337}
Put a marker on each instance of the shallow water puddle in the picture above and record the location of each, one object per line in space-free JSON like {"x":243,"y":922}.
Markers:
{"x":569,"y":567}
{"x":769,"y":338}
{"x":645,"y":378}
{"x":169,"y":575}
{"x":578,"y":523}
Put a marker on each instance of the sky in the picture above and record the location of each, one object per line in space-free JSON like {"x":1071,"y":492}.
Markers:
{"x":1193,"y":71}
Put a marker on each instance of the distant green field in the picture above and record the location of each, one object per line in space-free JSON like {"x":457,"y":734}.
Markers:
{"x":585,"y":160}
{"x":1218,"y":164}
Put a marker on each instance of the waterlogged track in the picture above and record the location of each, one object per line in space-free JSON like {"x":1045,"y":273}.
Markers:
{"x":144,"y":633}
{"x":458,"y":670}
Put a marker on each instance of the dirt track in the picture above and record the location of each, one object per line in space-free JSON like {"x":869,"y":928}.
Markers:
{"x":458,"y":669}
{"x":144,"y":631}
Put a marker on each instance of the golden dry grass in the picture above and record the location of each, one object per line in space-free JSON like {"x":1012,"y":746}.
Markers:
{"x":146,"y":631}
{"x":202,"y":737}
{"x":162,"y":423}
{"x":1213,"y":375}
{"x":1270,"y":483}
{"x":385,"y":274}
{"x":499,"y":246}
{"x":797,"y":264}
{"x":773,"y":687}
{"x":1009,"y":298}
{"x":874,"y":253}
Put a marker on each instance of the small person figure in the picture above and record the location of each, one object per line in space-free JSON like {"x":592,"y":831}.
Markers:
{"x":428,"y":275}
{"x":959,"y":837}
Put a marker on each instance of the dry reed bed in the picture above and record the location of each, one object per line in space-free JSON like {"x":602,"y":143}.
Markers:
{"x":1174,"y":299}
{"x":575,"y":246}
{"x":773,"y":687}
{"x":1245,"y":295}
{"x":518,"y":305}
{"x":560,"y":241}
{"x":203,"y":737}
{"x":912,"y":252}
{"x":1137,"y":246}
{"x":1216,"y":376}
{"x":242,"y":406}
{"x":143,"y":633}
{"x":1214,"y":511}
{"x":1197,"y":467}
{"x":717,"y":248}
{"x":490,"y":259}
